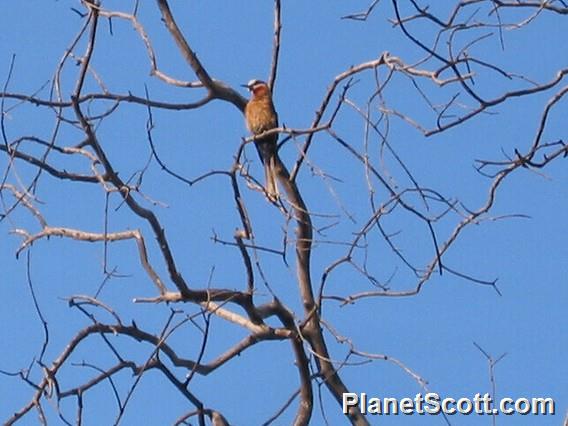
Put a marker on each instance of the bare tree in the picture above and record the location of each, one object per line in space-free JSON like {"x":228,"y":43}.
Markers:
{"x":385,"y":208}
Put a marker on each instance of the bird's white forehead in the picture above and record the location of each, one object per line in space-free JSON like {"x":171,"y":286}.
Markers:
{"x":253,"y":82}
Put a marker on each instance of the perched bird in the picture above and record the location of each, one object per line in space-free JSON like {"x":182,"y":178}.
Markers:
{"x":261,"y":116}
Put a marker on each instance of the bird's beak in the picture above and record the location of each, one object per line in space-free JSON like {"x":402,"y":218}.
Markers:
{"x":245,"y":85}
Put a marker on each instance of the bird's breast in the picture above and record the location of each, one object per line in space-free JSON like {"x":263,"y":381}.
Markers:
{"x":260,"y":116}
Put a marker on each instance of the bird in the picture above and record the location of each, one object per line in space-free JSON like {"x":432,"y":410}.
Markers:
{"x":260,"y":116}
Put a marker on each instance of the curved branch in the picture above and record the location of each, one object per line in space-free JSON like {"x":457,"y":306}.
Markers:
{"x":216,"y":89}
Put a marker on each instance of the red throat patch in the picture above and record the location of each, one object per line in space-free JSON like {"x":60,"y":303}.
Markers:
{"x":260,"y":90}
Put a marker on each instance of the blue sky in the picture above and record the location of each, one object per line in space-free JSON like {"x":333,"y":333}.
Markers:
{"x":432,"y":333}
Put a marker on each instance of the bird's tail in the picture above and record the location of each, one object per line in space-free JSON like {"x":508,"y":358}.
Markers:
{"x":267,"y":152}
{"x":270,"y":176}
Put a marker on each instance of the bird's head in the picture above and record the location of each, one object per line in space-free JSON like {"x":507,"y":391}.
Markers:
{"x":257,"y":87}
